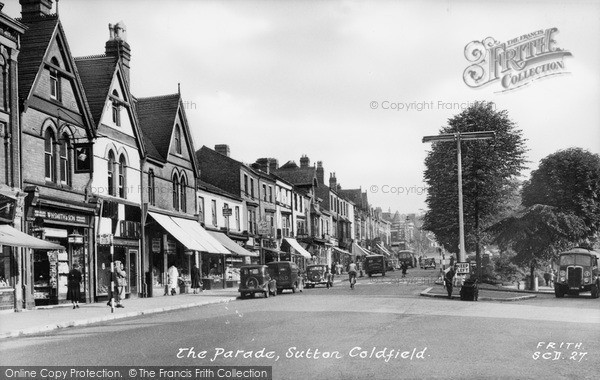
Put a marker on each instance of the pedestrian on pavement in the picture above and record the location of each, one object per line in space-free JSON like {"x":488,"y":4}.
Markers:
{"x":333,"y":269}
{"x":196,"y":279}
{"x":448,"y":280}
{"x":173,"y":275}
{"x":329,"y":276}
{"x":404,"y":268}
{"x":547,"y":278}
{"x":552,"y":277}
{"x":74,"y":286}
{"x":118,"y":293}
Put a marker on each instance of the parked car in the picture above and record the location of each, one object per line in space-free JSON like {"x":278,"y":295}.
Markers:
{"x":407,"y":257}
{"x":578,"y":272}
{"x":428,"y":262}
{"x":375,"y":264}
{"x":285,"y":273}
{"x":256,"y":279}
{"x":316,"y":275}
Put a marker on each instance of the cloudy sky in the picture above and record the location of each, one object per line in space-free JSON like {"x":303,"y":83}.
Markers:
{"x":282,"y":79}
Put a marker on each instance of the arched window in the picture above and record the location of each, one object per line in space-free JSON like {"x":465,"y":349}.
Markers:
{"x":111,"y":173}
{"x":182,"y":197}
{"x":177,"y":139}
{"x":65,"y":160}
{"x":54,"y":80}
{"x":49,"y":150}
{"x":116,"y":110}
{"x":122,"y":176}
{"x":176,"y":192}
{"x":151,"y":187}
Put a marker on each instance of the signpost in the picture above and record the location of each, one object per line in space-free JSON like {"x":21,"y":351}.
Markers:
{"x":458,"y":137}
{"x":107,"y":239}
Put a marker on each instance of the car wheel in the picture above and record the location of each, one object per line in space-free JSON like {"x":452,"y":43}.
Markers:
{"x":252,"y":282}
{"x":243,"y":295}
{"x":595,"y":291}
{"x":558,"y":292}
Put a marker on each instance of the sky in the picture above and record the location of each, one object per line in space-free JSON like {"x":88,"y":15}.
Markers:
{"x":353,"y":84}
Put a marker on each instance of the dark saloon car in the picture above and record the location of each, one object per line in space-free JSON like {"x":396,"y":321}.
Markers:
{"x":286,"y":274}
{"x":256,"y":279}
{"x":317,"y":275}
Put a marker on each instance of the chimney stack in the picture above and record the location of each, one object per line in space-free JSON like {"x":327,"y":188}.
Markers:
{"x":304,"y":161}
{"x":332,"y":182}
{"x":262,"y":164}
{"x":118,"y":47}
{"x":273,"y":164}
{"x":32,"y":9}
{"x":223,"y":149}
{"x":320,"y":173}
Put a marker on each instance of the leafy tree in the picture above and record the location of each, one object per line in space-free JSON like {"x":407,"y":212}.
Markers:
{"x":561,"y":207}
{"x":490,"y":168}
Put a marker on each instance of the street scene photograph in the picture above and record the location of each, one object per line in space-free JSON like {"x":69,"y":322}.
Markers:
{"x":332,"y":189}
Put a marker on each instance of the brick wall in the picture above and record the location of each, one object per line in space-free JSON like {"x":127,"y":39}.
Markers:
{"x":219,"y":170}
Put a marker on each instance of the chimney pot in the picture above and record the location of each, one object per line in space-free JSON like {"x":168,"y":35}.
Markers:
{"x":31,"y":9}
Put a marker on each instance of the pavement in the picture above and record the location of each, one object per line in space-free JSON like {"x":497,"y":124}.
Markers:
{"x":489,"y":292}
{"x":47,"y":318}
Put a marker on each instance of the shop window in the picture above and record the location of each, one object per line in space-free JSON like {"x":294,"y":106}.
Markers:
{"x":49,"y":159}
{"x":65,"y":160}
{"x":122,"y":167}
{"x":111,"y":173}
{"x":6,"y":279}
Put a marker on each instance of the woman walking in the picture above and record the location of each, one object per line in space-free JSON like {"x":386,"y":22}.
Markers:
{"x":73,"y":286}
{"x":196,"y":279}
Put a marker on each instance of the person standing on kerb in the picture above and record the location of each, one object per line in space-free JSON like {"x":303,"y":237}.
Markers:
{"x":74,"y":286}
{"x":448,"y":280}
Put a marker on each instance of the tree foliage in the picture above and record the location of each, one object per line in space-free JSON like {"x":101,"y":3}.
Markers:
{"x":490,"y":168}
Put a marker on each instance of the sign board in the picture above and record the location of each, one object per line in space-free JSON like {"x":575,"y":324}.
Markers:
{"x":84,"y":154}
{"x":105,"y":239}
{"x":156,"y":245}
{"x":227,"y":211}
{"x":463,"y":268}
{"x":264,"y":228}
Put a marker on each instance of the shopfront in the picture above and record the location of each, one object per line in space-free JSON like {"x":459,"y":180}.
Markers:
{"x":224,"y":270}
{"x":296,"y":252}
{"x":179,"y":242}
{"x":125,"y":251}
{"x":71,"y":230}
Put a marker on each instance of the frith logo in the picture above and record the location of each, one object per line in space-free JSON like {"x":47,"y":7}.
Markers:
{"x":515,"y":63}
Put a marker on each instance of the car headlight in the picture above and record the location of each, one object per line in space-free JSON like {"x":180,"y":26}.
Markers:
{"x":586,"y":280}
{"x":587,"y":273}
{"x":562,"y":272}
{"x":562,"y":279}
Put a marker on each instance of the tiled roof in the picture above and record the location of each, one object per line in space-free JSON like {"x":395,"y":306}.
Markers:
{"x":203,"y":185}
{"x":157,"y":118}
{"x":297,"y":176}
{"x":96,"y":74}
{"x":34,"y":44}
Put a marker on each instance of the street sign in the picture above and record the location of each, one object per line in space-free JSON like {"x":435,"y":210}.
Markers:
{"x":105,"y":239}
{"x":463,"y":268}
{"x":264,"y":228}
{"x":226,"y":211}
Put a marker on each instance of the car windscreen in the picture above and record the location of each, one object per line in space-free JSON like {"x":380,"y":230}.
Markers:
{"x":583,"y":260}
{"x":250,"y":271}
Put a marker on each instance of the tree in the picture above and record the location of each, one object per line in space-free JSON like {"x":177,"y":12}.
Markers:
{"x":561,"y":204}
{"x":490,"y":168}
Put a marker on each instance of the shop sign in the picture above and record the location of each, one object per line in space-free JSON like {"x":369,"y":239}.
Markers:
{"x":61,"y":216}
{"x":269,"y":243}
{"x":84,"y":162}
{"x":105,"y":239}
{"x":227,"y":211}
{"x":463,"y":268}
{"x":8,"y":206}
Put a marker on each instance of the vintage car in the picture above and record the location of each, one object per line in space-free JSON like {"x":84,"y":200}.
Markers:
{"x":256,"y":279}
{"x":428,"y":262}
{"x":578,"y":272}
{"x":286,"y":274}
{"x":317,"y":275}
{"x":374,"y":264}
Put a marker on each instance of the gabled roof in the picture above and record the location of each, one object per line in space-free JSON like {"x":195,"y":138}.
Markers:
{"x":34,"y":44}
{"x":96,"y":74}
{"x":157,"y":117}
{"x":203,"y":185}
{"x":296,"y":175}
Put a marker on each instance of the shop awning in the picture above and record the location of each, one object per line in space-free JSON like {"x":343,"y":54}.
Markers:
{"x":359,"y":251}
{"x":294,"y":243}
{"x":342,"y":251}
{"x":385,"y":251}
{"x":12,"y":237}
{"x":189,"y":233}
{"x":231,"y":245}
